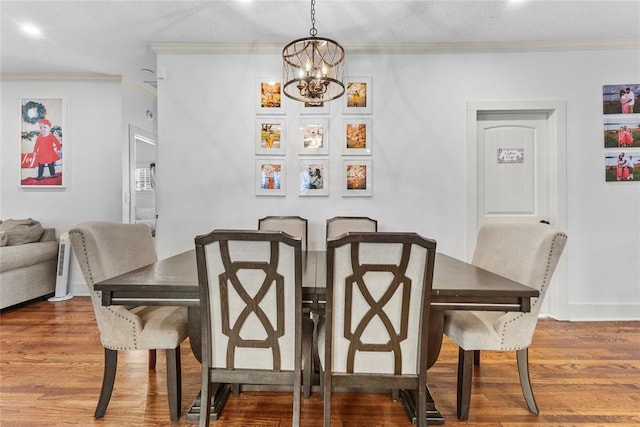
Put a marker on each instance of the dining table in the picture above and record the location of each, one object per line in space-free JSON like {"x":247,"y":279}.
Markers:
{"x":457,"y":285}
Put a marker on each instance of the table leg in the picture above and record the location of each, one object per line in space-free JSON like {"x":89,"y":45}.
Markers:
{"x":220,"y":396}
{"x":434,"y":417}
{"x":193,"y":329}
{"x":436,"y":330}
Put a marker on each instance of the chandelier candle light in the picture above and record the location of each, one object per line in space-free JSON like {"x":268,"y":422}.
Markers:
{"x":313,"y":69}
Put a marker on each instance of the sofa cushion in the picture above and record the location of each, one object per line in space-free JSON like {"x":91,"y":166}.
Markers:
{"x":26,"y":255}
{"x":3,"y":238}
{"x":21,"y":231}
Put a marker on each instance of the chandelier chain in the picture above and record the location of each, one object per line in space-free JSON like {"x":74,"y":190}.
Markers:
{"x":313,"y":32}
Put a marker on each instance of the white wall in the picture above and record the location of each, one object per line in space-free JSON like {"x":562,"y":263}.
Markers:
{"x":206,"y":131}
{"x":98,"y":114}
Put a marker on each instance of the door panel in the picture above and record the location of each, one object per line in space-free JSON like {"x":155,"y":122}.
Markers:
{"x":512,"y":168}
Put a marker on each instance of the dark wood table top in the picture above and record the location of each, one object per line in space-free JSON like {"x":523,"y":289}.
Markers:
{"x":456,"y":285}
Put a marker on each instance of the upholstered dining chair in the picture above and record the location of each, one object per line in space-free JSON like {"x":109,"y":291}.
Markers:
{"x":524,"y":252}
{"x":375,"y":332}
{"x":251,"y":311}
{"x":342,"y":224}
{"x":105,"y":250}
{"x":298,"y":227}
{"x":293,"y":225}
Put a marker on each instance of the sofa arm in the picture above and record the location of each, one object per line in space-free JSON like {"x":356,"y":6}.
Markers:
{"x":48,"y":235}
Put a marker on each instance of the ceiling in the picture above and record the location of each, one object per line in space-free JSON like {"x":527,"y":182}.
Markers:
{"x":114,"y":37}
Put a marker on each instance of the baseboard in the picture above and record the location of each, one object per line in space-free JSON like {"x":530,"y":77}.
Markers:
{"x":598,"y":312}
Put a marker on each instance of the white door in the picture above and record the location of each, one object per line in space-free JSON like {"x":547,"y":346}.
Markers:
{"x":516,"y":164}
{"x":512,"y":181}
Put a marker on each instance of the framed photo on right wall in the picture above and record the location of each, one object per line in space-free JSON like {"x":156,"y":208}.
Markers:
{"x":356,"y":178}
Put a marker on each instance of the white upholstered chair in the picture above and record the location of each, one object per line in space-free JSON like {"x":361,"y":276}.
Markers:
{"x":343,"y":224}
{"x":105,"y":250}
{"x":298,"y":227}
{"x":293,"y":225}
{"x":375,"y":332}
{"x":251,"y":311}
{"x":524,"y":252}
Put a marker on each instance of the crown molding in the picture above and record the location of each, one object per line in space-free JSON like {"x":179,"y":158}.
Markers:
{"x":69,"y":77}
{"x":443,"y":47}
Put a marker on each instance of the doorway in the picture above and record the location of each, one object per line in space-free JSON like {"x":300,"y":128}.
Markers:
{"x":516,"y":163}
{"x":142,"y":183}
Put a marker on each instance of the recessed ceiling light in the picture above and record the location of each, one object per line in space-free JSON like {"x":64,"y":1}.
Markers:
{"x":31,"y":30}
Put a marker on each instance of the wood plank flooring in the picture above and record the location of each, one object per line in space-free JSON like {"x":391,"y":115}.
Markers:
{"x":51,"y":361}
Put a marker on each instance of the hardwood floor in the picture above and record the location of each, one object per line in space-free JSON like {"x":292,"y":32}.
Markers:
{"x":583,"y":374}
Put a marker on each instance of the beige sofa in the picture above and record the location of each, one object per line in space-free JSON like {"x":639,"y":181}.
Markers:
{"x":27,"y":262}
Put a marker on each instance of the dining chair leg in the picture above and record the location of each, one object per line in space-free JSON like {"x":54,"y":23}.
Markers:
{"x":465,"y":376}
{"x":205,"y":398}
{"x":108,"y":379}
{"x":327,"y":402}
{"x":152,"y":360}
{"x":476,"y":357}
{"x":523,"y":371}
{"x":174,"y":382}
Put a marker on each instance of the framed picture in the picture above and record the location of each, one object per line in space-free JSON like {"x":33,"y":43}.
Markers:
{"x":270,"y":135}
{"x":314,"y":177}
{"x":622,"y":166}
{"x":270,"y":177}
{"x":622,"y":131}
{"x":321,"y":108}
{"x":356,"y":178}
{"x":356,"y":136}
{"x":620,"y":99}
{"x":42,"y":143}
{"x":314,"y":136}
{"x":358,"y":95}
{"x":270,"y":99}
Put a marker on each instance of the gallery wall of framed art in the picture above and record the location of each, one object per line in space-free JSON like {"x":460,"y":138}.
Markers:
{"x":294,"y":136}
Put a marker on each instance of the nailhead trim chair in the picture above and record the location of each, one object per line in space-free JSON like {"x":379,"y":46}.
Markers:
{"x":524,"y":252}
{"x":105,"y":250}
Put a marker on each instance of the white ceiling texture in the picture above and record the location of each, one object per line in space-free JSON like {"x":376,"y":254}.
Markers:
{"x":115,"y":37}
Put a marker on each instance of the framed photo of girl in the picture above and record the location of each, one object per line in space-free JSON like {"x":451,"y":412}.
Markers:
{"x":270,"y":99}
{"x":356,"y":179}
{"x":42,"y":143}
{"x":314,"y":177}
{"x":358,"y":95}
{"x":314,"y":136}
{"x":356,"y":136}
{"x":270,"y":177}
{"x":270,"y":135}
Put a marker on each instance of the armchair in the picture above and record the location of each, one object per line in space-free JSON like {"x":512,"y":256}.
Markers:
{"x":527,"y":253}
{"x":105,"y":250}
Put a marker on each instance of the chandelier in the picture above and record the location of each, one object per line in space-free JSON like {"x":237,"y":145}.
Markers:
{"x":313,"y":69}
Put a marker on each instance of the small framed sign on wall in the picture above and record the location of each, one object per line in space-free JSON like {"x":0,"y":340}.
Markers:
{"x":42,"y":143}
